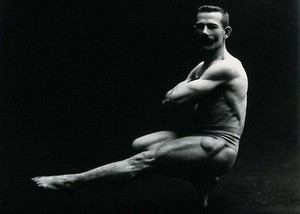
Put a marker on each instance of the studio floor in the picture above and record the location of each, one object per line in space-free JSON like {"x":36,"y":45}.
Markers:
{"x":265,"y":179}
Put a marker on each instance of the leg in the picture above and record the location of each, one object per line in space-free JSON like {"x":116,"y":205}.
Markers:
{"x":154,"y":140}
{"x":205,"y":187}
{"x":182,"y":151}
{"x":144,"y":143}
{"x":197,"y":149}
{"x":213,"y":183}
{"x":208,"y":153}
{"x":120,"y":170}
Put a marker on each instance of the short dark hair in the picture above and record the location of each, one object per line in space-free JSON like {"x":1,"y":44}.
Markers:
{"x":211,"y":8}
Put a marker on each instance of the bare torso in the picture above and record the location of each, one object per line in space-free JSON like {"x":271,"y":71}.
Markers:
{"x":226,"y":104}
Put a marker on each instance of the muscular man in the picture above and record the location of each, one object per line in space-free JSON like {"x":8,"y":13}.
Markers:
{"x":217,"y":91}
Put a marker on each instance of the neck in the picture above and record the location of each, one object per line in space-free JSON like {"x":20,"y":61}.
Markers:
{"x":215,"y":55}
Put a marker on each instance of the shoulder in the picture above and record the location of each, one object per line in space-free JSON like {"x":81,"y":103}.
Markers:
{"x":226,"y":69}
{"x":197,"y":68}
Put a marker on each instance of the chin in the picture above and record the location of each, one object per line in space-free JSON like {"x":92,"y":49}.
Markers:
{"x":208,"y":48}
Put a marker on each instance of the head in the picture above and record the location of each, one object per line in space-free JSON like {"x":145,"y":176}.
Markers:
{"x":212,"y":27}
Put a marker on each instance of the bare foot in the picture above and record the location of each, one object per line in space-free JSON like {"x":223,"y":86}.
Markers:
{"x":59,"y":182}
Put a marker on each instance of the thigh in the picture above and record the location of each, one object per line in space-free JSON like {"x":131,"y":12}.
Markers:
{"x":199,"y":150}
{"x":184,"y":149}
{"x":153,"y":140}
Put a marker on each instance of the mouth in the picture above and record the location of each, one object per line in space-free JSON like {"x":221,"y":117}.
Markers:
{"x":206,"y":41}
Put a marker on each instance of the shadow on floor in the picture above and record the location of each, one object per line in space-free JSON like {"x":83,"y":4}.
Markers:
{"x":265,"y":179}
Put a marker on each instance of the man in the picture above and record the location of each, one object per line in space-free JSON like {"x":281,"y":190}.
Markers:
{"x":217,"y":91}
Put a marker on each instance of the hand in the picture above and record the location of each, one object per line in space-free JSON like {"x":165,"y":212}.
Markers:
{"x":166,"y":101}
{"x":167,"y":98}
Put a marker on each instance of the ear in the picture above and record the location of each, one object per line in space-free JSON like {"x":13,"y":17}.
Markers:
{"x":228,"y":31}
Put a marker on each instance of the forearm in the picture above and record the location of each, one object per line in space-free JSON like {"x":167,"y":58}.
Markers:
{"x":178,"y":95}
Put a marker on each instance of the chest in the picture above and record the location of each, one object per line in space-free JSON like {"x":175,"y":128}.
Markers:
{"x":199,"y":71}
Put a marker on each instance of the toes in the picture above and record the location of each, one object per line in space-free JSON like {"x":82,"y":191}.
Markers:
{"x":47,"y":187}
{"x":34,"y":179}
{"x":48,"y":183}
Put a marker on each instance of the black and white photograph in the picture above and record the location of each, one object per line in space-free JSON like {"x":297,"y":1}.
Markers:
{"x":165,"y":107}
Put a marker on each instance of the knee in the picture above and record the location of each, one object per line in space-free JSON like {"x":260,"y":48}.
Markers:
{"x":210,"y":145}
{"x":137,"y":144}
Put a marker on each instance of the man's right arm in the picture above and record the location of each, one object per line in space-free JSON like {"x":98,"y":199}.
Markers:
{"x":188,"y":91}
{"x":191,"y":76}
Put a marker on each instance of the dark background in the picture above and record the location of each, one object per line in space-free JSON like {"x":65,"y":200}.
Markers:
{"x":80,"y":80}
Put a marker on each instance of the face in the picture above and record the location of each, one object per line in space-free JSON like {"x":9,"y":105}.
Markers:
{"x":210,"y":31}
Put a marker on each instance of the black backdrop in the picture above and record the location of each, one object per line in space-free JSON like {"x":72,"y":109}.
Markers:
{"x":81,"y":79}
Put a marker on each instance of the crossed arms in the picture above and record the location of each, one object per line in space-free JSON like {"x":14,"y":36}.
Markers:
{"x":191,"y":88}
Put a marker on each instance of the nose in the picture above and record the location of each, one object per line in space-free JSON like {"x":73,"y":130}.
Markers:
{"x":205,"y":30}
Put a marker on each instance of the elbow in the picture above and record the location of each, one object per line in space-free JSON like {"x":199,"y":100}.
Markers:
{"x":179,"y":100}
{"x":171,"y":102}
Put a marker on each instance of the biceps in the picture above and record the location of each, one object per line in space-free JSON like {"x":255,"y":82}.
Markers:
{"x":202,"y":86}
